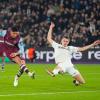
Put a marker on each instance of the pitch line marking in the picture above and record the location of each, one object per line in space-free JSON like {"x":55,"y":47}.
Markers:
{"x":45,"y":93}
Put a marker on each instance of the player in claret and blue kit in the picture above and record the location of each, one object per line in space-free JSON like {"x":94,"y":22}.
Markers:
{"x":12,"y":51}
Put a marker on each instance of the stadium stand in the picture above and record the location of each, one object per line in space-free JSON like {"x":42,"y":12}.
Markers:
{"x":78,"y":19}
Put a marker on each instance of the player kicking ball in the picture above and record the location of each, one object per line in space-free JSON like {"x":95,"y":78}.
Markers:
{"x":11,"y":49}
{"x":63,"y":54}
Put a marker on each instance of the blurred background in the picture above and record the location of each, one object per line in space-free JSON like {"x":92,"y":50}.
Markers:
{"x":78,"y":19}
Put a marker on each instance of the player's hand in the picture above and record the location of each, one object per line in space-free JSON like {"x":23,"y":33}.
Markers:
{"x":13,"y":54}
{"x":96,"y":42}
{"x":52,"y":25}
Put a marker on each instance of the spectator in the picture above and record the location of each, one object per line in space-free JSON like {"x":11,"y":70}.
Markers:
{"x":33,"y":18}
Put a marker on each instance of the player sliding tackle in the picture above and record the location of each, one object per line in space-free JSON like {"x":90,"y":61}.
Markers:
{"x":63,"y":54}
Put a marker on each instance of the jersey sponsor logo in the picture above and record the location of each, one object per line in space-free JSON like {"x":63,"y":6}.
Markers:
{"x":60,"y":47}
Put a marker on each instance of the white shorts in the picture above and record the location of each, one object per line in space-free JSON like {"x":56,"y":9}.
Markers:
{"x":64,"y":68}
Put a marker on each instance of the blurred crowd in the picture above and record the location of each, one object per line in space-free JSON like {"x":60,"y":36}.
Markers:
{"x":78,"y":19}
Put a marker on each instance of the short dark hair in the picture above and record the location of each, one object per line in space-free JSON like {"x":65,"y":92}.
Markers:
{"x":67,"y":37}
{"x":14,"y":29}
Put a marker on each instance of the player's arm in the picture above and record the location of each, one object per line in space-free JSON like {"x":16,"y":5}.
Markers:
{"x":49,"y":36}
{"x":3,"y":33}
{"x":14,"y":54}
{"x":21,"y":47}
{"x":20,"y":50}
{"x":89,"y":46}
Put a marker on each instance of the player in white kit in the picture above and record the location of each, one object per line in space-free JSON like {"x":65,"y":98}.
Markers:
{"x":63,"y":55}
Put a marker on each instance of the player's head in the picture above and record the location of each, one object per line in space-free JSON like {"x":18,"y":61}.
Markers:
{"x":65,"y":41}
{"x":14,"y":32}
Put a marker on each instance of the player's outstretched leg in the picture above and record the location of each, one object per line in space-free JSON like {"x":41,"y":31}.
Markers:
{"x":78,"y":79}
{"x":50,"y":72}
{"x":20,"y":72}
{"x":23,"y":68}
{"x":56,"y":71}
{"x":16,"y":81}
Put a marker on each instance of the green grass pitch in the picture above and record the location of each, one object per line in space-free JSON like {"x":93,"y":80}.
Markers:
{"x":45,"y":87}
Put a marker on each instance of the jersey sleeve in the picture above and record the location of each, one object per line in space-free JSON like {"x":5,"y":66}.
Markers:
{"x":21,"y":47}
{"x":3,"y":33}
{"x":73,"y":49}
{"x":54,"y":44}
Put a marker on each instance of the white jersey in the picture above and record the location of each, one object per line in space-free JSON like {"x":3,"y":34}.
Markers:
{"x":63,"y":54}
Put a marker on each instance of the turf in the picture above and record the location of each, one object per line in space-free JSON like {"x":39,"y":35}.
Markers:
{"x":44,"y":87}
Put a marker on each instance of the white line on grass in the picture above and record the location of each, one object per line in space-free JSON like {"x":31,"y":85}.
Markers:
{"x":46,"y":93}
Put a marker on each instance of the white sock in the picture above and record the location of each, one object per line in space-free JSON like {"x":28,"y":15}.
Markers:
{"x":29,"y":73}
{"x":55,"y":71}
